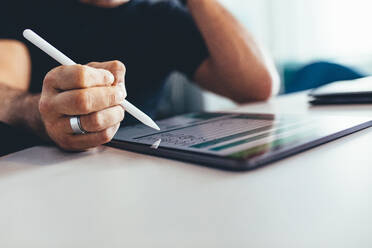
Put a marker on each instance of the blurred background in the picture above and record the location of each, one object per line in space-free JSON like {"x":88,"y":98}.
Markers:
{"x":296,"y":33}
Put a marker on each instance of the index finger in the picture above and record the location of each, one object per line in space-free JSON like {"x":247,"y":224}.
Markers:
{"x":77,"y":77}
{"x":116,"y":67}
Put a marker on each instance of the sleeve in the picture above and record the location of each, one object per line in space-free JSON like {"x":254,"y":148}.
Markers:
{"x":175,"y":37}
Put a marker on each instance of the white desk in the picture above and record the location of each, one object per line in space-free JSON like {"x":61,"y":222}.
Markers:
{"x":112,"y":198}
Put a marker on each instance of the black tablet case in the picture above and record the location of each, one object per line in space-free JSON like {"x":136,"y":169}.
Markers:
{"x":345,"y":92}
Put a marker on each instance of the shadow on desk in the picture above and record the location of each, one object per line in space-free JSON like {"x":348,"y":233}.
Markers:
{"x":14,"y":139}
{"x":40,"y":157}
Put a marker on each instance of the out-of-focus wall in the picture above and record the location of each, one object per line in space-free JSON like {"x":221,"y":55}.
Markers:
{"x":302,"y":31}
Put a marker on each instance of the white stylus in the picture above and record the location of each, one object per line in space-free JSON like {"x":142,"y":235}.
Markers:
{"x":64,"y":60}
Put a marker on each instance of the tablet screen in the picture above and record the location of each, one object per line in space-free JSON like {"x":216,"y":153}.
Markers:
{"x":239,"y":137}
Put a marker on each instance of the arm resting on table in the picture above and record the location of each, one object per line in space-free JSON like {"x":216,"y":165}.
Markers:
{"x":238,"y":67}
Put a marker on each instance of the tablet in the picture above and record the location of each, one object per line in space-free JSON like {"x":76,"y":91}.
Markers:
{"x":357,"y":91}
{"x":232,"y":141}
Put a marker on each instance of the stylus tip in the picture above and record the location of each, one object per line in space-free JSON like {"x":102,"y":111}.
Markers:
{"x":152,"y":124}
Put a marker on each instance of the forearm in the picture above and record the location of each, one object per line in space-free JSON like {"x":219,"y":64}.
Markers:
{"x":234,"y":54}
{"x":20,"y":109}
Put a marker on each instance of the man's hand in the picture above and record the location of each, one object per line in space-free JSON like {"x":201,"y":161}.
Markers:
{"x":91,"y":91}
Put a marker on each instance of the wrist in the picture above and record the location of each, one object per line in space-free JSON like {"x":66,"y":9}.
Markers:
{"x":34,"y":120}
{"x":28,"y":117}
{"x":21,"y":109}
{"x":9,"y":99}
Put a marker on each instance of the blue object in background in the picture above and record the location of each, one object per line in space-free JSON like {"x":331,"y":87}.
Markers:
{"x":317,"y":74}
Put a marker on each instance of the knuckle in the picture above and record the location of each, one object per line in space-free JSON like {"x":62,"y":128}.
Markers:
{"x":81,"y":75}
{"x":51,"y":76}
{"x":48,"y":78}
{"x":113,"y":98}
{"x":106,"y":136}
{"x":83,"y":102}
{"x":118,"y":66}
{"x":107,"y":76}
{"x":97,"y":121}
{"x":44,"y":106}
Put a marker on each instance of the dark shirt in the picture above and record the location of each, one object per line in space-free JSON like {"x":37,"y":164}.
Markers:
{"x":151,"y":39}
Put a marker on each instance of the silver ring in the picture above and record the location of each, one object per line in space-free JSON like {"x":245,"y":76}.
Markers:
{"x":76,"y":125}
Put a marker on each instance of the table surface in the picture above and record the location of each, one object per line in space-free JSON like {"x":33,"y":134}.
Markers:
{"x":113,"y":198}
